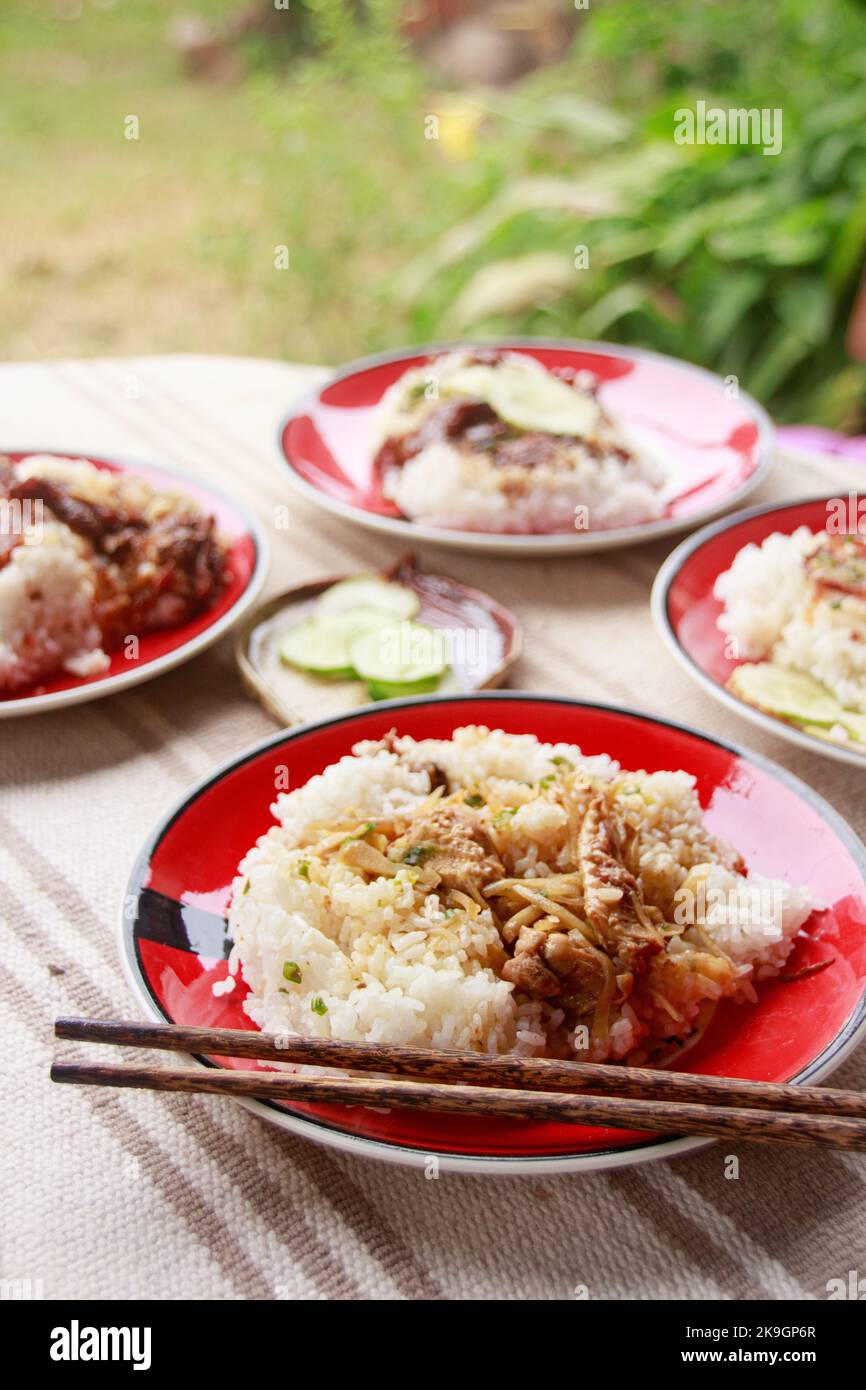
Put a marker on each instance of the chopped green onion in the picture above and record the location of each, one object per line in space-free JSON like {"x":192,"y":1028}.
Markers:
{"x":304,"y":869}
{"x":359,"y":834}
{"x":475,"y":800}
{"x":418,"y":854}
{"x":319,"y":1006}
{"x":292,"y":972}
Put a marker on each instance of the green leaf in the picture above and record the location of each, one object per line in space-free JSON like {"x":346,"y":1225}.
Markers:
{"x":732,"y":295}
{"x":848,"y":253}
{"x":786,"y":349}
{"x":625,"y":299}
{"x":511,"y":287}
{"x":806,"y":307}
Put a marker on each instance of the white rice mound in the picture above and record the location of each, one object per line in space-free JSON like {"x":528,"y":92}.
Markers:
{"x":827,"y":640}
{"x":446,"y":486}
{"x":46,"y":611}
{"x":762,"y":590}
{"x":772,"y":613}
{"x":368,"y":965}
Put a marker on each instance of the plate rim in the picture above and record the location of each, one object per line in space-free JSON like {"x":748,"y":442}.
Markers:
{"x":551,"y":543}
{"x":831,"y":1057}
{"x":112,"y":685}
{"x":661,"y":588}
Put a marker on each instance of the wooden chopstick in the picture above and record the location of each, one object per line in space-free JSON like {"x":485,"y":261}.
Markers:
{"x":666,"y":1117}
{"x":471,"y":1068}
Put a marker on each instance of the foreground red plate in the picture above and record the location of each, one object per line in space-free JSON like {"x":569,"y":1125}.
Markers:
{"x":160,"y":651}
{"x":685,"y":610}
{"x":718,"y":446}
{"x":173,"y":940}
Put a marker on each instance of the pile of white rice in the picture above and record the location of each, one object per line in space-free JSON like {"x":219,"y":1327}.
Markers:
{"x":47,"y":610}
{"x":447,"y":486}
{"x":773,"y":613}
{"x":326,"y":954}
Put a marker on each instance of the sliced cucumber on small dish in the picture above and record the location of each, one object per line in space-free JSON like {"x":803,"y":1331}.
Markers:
{"x":362,"y":629}
{"x":321,"y":645}
{"x":369,"y":591}
{"x":402,"y":658}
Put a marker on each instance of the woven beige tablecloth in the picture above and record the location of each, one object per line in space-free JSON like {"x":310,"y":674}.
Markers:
{"x":135,"y":1195}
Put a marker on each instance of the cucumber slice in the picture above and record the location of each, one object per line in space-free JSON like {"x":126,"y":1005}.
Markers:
{"x":790,"y":694}
{"x":399,"y":654}
{"x":525,"y":398}
{"x":855,"y":724}
{"x":321,"y":645}
{"x":369,"y":591}
{"x":396,"y":690}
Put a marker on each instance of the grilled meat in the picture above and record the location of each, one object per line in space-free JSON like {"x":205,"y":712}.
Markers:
{"x":159,"y":576}
{"x":88,"y":519}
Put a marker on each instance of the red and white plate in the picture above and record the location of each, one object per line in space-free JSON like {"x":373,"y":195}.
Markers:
{"x":168,"y":647}
{"x":718,"y":445}
{"x":174,"y":946}
{"x":686,"y":612}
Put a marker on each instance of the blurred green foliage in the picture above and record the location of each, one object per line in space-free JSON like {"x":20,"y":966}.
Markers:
{"x":560,"y":206}
{"x":742,"y":261}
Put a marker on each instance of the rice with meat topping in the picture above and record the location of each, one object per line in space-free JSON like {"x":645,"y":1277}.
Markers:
{"x":103,"y":556}
{"x":497,"y":893}
{"x":488,"y":440}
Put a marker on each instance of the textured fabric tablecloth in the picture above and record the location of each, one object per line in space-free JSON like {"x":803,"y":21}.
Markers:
{"x":135,"y":1195}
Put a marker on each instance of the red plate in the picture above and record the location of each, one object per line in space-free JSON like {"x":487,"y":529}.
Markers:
{"x":718,"y":445}
{"x":160,"y":651}
{"x":174,"y":944}
{"x":686,"y":612}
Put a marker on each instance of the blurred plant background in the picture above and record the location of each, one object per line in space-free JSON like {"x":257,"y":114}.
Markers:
{"x":436,"y":169}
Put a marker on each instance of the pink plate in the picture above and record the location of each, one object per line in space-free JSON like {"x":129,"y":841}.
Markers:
{"x":718,"y":445}
{"x":160,"y":651}
{"x":174,"y":946}
{"x":685,"y":610}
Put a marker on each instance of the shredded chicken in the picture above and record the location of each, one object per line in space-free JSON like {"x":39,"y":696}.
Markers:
{"x":549,"y":963}
{"x":613,"y":902}
{"x":451,"y":843}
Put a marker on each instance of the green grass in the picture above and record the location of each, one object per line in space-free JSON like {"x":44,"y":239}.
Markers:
{"x":165,"y":243}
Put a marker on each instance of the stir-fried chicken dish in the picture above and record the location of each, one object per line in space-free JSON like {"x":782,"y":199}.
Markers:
{"x":601,"y":915}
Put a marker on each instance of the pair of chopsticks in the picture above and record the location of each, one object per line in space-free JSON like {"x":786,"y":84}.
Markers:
{"x":475,"y":1083}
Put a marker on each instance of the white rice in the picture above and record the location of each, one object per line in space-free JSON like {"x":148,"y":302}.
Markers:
{"x":761,"y":591}
{"x":46,"y":611}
